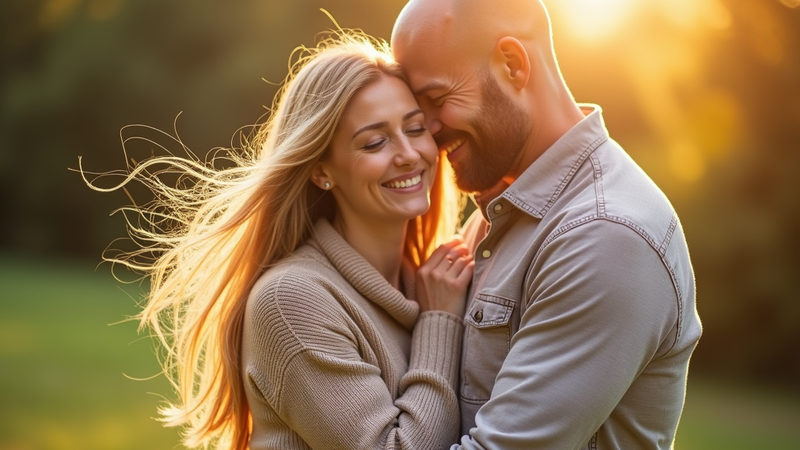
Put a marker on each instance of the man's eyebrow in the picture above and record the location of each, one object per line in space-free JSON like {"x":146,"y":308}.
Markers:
{"x":377,"y":125}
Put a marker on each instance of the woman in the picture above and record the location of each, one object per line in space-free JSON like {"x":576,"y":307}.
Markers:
{"x":282,"y":295}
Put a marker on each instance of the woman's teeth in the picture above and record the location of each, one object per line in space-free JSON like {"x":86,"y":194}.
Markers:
{"x":454,"y":145}
{"x":405,"y":183}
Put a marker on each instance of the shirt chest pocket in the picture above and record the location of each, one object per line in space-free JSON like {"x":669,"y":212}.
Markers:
{"x":486,"y":344}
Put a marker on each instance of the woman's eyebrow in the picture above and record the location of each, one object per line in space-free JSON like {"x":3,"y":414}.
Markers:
{"x":412,"y":114}
{"x":372,"y":126}
{"x":377,"y":125}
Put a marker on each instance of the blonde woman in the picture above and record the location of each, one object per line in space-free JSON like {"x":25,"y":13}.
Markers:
{"x":298,"y":293}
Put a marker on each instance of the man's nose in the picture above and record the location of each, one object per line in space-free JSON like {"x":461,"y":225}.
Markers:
{"x":433,"y":123}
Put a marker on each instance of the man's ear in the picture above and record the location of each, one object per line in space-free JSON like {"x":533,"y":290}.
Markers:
{"x":320,"y":177}
{"x":513,"y":58}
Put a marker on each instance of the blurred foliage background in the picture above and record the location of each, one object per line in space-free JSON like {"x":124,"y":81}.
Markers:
{"x":702,"y":93}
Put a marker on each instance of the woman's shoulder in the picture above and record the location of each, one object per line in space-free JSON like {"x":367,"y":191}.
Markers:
{"x":301,"y":286}
{"x":297,"y":305}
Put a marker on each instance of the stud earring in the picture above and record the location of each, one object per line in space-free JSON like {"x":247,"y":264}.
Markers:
{"x":327,"y":185}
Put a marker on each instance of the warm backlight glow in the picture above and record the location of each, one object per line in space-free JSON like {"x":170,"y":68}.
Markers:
{"x":592,"y":19}
{"x":663,"y":49}
{"x":686,"y":161}
{"x":791,"y":3}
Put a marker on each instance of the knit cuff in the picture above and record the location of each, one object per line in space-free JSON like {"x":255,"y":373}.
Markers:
{"x":436,"y":345}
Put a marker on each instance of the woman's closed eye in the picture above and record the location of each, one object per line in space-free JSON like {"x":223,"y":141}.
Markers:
{"x":416,"y":130}
{"x":374,"y":144}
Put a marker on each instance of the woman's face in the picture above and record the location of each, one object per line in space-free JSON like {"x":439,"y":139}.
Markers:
{"x":382,"y":159}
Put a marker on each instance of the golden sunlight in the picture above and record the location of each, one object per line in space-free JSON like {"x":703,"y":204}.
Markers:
{"x":593,"y":19}
{"x":55,"y":12}
{"x":686,"y":161}
{"x":693,"y":121}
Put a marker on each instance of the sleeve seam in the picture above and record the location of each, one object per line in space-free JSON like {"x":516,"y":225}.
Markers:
{"x":659,"y":248}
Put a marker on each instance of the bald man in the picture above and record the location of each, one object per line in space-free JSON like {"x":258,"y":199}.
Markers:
{"x":581,"y":316}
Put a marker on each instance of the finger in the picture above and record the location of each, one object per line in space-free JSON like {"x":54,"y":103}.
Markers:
{"x":446,"y":264}
{"x":456,"y":243}
{"x":440,"y":253}
{"x":460,"y":263}
{"x":457,"y":251}
{"x":466,"y":274}
{"x":458,"y":266}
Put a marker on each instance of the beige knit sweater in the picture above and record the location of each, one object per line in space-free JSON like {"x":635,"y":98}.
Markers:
{"x":334,"y":357}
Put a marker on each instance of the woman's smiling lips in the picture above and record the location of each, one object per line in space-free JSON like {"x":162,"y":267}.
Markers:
{"x":410,"y":182}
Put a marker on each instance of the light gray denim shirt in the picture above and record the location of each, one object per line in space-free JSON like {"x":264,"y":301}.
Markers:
{"x":581,"y":316}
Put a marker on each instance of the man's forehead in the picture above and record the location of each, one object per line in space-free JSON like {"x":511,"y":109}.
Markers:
{"x":420,"y":46}
{"x":427,"y":46}
{"x":427,"y":65}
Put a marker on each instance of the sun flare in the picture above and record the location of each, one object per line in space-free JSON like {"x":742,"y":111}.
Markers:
{"x":592,"y":19}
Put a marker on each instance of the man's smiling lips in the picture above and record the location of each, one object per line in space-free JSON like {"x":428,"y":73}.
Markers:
{"x":454,"y":145}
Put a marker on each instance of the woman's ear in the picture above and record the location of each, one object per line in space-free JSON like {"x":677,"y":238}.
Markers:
{"x":320,"y":177}
{"x":516,"y":65}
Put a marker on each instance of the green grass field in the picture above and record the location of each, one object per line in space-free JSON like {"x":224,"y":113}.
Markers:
{"x":63,"y":366}
{"x":63,"y":370}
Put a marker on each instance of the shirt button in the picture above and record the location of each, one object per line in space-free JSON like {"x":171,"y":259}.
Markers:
{"x":486,"y":253}
{"x":478,"y":316}
{"x":498,"y":207}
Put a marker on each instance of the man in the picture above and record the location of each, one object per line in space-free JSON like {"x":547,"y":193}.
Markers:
{"x":581,"y":316}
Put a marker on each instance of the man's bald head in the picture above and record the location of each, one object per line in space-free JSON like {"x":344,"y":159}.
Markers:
{"x":485,"y":74}
{"x":471,"y":28}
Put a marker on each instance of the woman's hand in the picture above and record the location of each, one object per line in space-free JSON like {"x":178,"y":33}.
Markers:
{"x":443,"y":280}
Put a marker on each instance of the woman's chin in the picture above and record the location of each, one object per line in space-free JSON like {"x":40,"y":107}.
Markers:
{"x":417,"y":211}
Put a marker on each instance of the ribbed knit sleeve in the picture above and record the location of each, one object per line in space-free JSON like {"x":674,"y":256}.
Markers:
{"x":436,"y":345}
{"x":428,"y":390}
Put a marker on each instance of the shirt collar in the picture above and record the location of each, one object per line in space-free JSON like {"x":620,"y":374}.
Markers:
{"x":540,"y":185}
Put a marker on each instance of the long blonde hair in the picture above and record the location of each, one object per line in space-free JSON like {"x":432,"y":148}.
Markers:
{"x":217,"y":230}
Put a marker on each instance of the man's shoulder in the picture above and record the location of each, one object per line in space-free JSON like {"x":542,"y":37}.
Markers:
{"x":627,"y":195}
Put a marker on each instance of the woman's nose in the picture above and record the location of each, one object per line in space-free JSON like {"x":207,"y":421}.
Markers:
{"x":406,"y":153}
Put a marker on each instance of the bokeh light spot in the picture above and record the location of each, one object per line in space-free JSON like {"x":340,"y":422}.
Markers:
{"x":765,"y":33}
{"x":103,"y":9}
{"x":592,"y":19}
{"x":686,"y":161}
{"x":715,"y":122}
{"x":791,"y":3}
{"x":694,"y":15}
{"x":717,"y":16}
{"x":55,"y":12}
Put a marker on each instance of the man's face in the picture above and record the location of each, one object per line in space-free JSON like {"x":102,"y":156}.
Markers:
{"x":471,"y":118}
